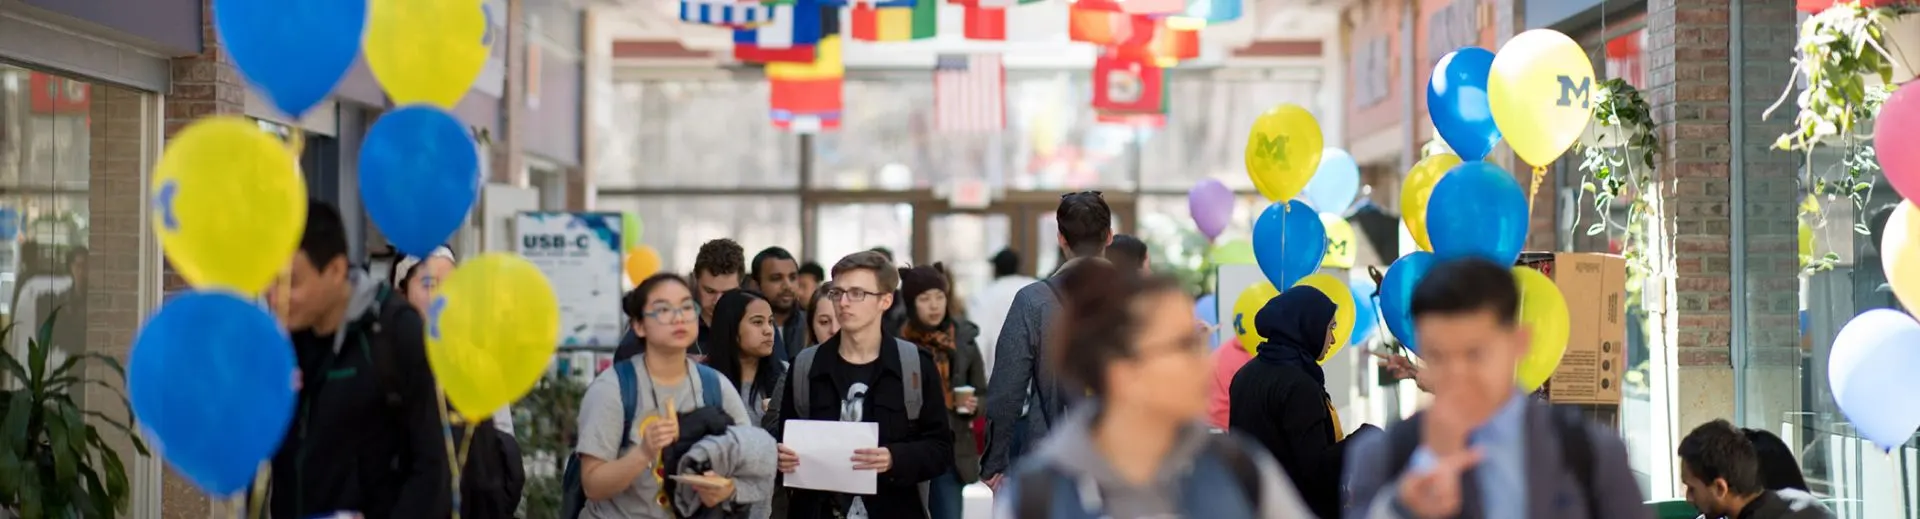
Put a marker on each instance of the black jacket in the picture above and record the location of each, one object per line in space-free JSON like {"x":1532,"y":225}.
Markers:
{"x":793,"y":336}
{"x":367,"y":432}
{"x":1280,"y":397}
{"x":922,"y":449}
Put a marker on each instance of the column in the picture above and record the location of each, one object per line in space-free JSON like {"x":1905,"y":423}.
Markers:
{"x":1768,"y":196}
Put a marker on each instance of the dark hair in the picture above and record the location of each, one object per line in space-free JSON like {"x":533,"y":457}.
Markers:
{"x":883,"y":252}
{"x":769,"y":253}
{"x":723,"y":347}
{"x":1716,"y":450}
{"x":325,"y":238}
{"x":721,"y":257}
{"x":1006,"y":263}
{"x":1085,"y":222}
{"x":1468,"y":285}
{"x":75,"y":254}
{"x":635,"y":302}
{"x":1778,"y":469}
{"x":815,"y":270}
{"x":1100,"y":322}
{"x":1877,"y":223}
{"x":883,"y":269}
{"x":1127,"y":252}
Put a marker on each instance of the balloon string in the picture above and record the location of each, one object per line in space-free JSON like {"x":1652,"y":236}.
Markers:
{"x":1539,"y":174}
{"x":296,"y":141}
{"x":261,"y":480}
{"x":455,"y":459}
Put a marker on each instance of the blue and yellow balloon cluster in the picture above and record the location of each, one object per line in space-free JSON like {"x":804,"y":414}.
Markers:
{"x":1536,"y":94}
{"x":229,"y":206}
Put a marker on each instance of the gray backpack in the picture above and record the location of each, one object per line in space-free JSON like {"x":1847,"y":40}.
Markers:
{"x":909,"y":366}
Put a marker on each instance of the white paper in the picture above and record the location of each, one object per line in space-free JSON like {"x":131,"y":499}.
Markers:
{"x":826,"y":455}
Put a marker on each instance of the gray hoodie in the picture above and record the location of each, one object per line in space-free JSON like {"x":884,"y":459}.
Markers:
{"x":1070,"y":448}
{"x":745,"y":453}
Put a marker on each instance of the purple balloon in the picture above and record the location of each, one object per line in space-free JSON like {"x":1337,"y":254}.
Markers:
{"x":1212,"y":205}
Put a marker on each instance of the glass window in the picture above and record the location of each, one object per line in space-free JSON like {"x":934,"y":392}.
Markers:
{"x":1206,"y":134}
{"x":843,"y":229}
{"x":693,"y":134}
{"x":965,"y":243}
{"x":676,"y":226}
{"x":54,"y":134}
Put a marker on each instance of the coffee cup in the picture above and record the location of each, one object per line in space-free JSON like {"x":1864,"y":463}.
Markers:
{"x":960,"y":394}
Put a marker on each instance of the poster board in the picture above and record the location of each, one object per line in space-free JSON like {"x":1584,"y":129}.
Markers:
{"x":580,"y":254}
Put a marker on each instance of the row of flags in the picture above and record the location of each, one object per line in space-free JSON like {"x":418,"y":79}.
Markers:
{"x":799,"y":42}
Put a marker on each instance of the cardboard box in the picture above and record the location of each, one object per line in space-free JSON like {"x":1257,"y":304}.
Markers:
{"x":1595,"y":286}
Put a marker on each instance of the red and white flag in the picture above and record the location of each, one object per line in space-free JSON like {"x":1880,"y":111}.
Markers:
{"x":969,"y":93}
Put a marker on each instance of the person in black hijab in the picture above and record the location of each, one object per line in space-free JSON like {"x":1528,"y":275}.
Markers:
{"x":1280,"y":397}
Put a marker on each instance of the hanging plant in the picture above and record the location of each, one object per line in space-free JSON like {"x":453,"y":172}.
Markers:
{"x":1618,"y":156}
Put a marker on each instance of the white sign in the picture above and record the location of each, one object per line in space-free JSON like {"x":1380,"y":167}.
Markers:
{"x":580,"y":254}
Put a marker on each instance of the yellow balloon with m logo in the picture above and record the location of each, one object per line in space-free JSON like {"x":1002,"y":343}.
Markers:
{"x":1541,"y":89}
{"x":1283,"y":151}
{"x":491,"y":332}
{"x":228,"y":205}
{"x":429,"y":51}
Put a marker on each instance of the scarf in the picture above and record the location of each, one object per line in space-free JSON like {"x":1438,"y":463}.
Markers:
{"x":938,"y":342}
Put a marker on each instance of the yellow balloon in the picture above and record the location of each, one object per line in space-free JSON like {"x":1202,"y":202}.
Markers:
{"x":1342,"y":297}
{"x":228,"y":205}
{"x":1341,"y":251}
{"x":1245,"y":308}
{"x":642,"y":262}
{"x":1541,"y":88}
{"x":1543,"y":311}
{"x":1418,"y":190}
{"x":491,"y":332}
{"x":1900,"y":253}
{"x":1283,"y":151}
{"x":428,"y":51}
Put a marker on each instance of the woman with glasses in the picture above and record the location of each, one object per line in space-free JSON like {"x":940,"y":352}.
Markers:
{"x":1139,"y":447}
{"x":621,"y":470}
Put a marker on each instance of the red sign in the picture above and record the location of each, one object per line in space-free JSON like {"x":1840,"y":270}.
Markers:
{"x":1128,"y":84}
{"x":57,"y":95}
{"x":1626,"y":58}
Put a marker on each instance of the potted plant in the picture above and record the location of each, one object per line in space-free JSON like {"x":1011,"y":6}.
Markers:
{"x":1618,"y":152}
{"x":54,"y":461}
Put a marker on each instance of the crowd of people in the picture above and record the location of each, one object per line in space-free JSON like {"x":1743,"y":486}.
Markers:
{"x":1089,"y":393}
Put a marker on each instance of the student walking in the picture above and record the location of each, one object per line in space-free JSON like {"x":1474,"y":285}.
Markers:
{"x":949,"y":339}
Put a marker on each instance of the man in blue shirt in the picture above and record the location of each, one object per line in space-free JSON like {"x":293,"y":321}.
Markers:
{"x":1483,"y":449}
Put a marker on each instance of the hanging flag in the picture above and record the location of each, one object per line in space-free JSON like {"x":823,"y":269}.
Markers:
{"x":871,"y":3}
{"x":1201,"y":13}
{"x":1123,"y":83}
{"x":919,"y":22}
{"x":969,"y":93}
{"x":1108,"y":27}
{"x":726,"y":13}
{"x":790,"y":38}
{"x":984,"y":23}
{"x":1170,"y":45}
{"x":1158,"y":7}
{"x":791,"y":100}
{"x":826,"y":64}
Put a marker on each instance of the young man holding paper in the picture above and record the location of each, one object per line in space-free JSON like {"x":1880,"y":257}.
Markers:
{"x":864,"y":375}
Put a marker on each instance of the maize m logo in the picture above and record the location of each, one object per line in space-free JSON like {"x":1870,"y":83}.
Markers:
{"x":1570,"y":91}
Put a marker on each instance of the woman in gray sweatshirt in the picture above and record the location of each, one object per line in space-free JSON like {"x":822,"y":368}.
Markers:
{"x":1137,"y":449}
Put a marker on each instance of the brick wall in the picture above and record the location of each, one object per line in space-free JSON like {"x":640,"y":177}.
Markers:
{"x":203,"y":85}
{"x":1688,"y":65}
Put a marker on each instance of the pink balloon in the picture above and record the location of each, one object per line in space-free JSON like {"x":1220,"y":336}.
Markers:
{"x":1893,"y":130}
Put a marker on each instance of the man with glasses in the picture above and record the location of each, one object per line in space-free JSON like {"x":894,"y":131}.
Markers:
{"x":865,"y":375}
{"x":1023,"y":399}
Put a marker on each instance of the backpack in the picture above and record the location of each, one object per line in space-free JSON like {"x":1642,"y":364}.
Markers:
{"x":1576,"y":449}
{"x":493,"y":478}
{"x":573,"y":498}
{"x":909,"y":367}
{"x":1047,"y":493}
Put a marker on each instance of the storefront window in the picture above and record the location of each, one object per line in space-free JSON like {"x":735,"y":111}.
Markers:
{"x":55,"y":133}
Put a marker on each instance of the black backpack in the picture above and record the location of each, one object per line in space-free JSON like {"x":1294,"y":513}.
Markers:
{"x":1576,"y":449}
{"x":493,"y":478}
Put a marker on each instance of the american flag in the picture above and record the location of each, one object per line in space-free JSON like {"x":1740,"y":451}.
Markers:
{"x":969,"y":93}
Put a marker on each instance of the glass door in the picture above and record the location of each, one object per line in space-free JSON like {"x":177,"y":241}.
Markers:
{"x":966,"y":242}
{"x":842,"y":229}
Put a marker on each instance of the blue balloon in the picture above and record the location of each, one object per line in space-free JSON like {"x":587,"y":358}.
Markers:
{"x":1366,"y":313}
{"x":1478,"y":210}
{"x":1457,"y":102}
{"x":1288,"y":242}
{"x":293,"y":51}
{"x":1396,"y":296}
{"x":211,"y":380}
{"x":419,"y":176}
{"x":1336,"y":184}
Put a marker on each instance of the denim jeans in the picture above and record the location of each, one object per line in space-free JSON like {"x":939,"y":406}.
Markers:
{"x":943,"y":496}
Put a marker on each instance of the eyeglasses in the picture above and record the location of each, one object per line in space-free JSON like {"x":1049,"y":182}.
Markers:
{"x":855,"y":294}
{"x":664,"y":314}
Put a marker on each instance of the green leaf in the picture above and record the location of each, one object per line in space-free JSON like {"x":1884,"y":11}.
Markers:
{"x":1861,"y":229}
{"x":59,"y":440}
{"x":13,"y":431}
{"x":1596,"y":228}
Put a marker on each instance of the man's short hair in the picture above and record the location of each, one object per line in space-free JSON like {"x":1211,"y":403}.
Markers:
{"x":884,"y":251}
{"x":1717,"y":450}
{"x":325,"y":237}
{"x":1127,"y":252}
{"x":813,"y":269}
{"x":1468,"y":285}
{"x":769,"y":253}
{"x":719,"y":258}
{"x":1085,"y":222}
{"x":882,"y":268}
{"x":1006,"y":263}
